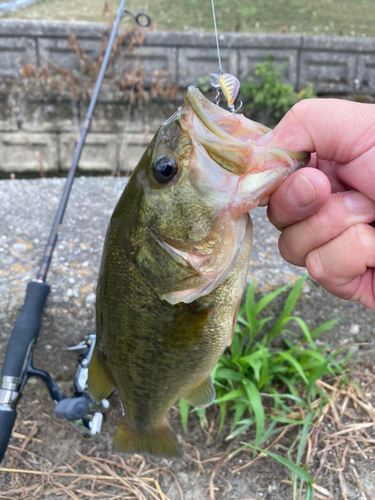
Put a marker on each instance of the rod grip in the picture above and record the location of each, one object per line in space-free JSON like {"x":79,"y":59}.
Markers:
{"x":25,"y":330}
{"x":7,"y":419}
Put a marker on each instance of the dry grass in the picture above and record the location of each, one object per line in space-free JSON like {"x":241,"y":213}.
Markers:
{"x":340,"y":443}
{"x":106,"y":478}
{"x":129,"y":82}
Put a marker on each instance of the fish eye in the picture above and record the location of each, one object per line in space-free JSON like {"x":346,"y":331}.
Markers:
{"x":165,"y":168}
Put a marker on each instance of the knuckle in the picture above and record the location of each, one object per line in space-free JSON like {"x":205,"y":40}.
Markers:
{"x":299,"y":110}
{"x":315,"y":265}
{"x":288,"y":249}
{"x":317,"y":223}
{"x":275,"y":214}
{"x":360,"y":238}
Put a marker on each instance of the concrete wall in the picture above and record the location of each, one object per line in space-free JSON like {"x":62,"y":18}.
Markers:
{"x":39,"y":127}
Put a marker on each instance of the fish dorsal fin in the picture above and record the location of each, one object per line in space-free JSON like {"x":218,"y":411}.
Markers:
{"x":98,"y":382}
{"x":202,"y":394}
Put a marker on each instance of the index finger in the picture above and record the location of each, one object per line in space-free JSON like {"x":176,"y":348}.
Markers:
{"x":336,"y":130}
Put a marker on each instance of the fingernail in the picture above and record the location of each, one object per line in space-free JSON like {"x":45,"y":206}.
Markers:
{"x":358,"y":203}
{"x":301,"y":192}
{"x":265,"y":139}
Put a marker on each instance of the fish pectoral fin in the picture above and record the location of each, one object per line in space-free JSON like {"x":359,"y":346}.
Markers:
{"x":98,"y":382}
{"x":159,"y":442}
{"x":202,"y":394}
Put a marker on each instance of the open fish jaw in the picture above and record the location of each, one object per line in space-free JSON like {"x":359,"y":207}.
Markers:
{"x":232,"y":138}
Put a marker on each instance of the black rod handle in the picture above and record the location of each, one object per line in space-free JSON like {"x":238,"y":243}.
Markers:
{"x":7,"y":419}
{"x":25,"y":330}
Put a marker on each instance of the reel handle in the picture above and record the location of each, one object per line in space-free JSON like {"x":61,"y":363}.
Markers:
{"x":72,"y":408}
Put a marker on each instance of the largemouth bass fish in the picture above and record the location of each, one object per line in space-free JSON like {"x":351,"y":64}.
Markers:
{"x":174,"y":266}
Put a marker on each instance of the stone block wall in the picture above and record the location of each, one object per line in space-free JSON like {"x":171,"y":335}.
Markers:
{"x":39,"y":127}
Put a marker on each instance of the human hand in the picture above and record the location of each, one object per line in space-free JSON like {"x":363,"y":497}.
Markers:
{"x":324,"y":211}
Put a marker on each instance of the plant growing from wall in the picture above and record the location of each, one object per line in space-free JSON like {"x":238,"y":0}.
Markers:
{"x":267,"y":95}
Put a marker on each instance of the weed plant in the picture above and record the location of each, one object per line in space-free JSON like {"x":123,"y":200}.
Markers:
{"x":253,"y":371}
{"x":267,"y":95}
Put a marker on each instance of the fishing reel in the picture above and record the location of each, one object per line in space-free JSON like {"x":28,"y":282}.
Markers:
{"x":80,"y":410}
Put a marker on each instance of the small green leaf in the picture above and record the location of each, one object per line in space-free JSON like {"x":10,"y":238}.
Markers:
{"x":262,"y":322}
{"x":309,"y":353}
{"x":235,"y":347}
{"x":184,"y":412}
{"x":324,"y":327}
{"x":223,"y":412}
{"x":265,"y":372}
{"x":257,"y":407}
{"x":242,"y":321}
{"x":240,"y":409}
{"x":231,"y":396}
{"x":292,"y":467}
{"x":228,"y":374}
{"x":288,"y":357}
{"x":245,"y":424}
{"x":264,"y":301}
{"x":286,"y":420}
{"x":305,"y":329}
{"x":201,"y":412}
{"x":293,"y":296}
{"x":303,"y":441}
{"x":216,"y":369}
{"x":250,"y":308}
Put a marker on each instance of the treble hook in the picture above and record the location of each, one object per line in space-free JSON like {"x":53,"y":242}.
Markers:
{"x":235,"y":111}
{"x":138,"y":18}
{"x":217,"y":97}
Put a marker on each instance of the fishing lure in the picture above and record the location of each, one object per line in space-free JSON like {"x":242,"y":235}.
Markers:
{"x":230,"y":87}
{"x":228,"y":83}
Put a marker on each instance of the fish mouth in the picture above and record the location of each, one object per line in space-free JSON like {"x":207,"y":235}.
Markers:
{"x":223,"y":124}
{"x":232,"y":174}
{"x":230,"y":139}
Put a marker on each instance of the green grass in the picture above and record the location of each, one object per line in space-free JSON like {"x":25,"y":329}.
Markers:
{"x":253,"y":372}
{"x":324,"y":17}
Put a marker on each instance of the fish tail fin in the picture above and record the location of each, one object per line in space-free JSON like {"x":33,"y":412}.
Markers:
{"x":159,"y":442}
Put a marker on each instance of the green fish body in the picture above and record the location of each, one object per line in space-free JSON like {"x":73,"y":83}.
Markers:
{"x":174,"y":267}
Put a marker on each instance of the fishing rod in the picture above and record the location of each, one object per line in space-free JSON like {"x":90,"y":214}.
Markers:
{"x":18,"y":361}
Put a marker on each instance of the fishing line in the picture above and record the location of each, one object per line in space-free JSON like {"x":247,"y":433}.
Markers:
{"x":226,"y":82}
{"x":217,"y":38}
